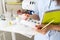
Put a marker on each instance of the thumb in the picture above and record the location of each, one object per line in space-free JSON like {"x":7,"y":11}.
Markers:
{"x":38,"y":26}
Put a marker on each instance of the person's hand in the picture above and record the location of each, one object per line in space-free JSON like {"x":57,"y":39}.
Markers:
{"x":58,"y":2}
{"x":35,"y":17}
{"x":43,"y":31}
{"x":25,"y":16}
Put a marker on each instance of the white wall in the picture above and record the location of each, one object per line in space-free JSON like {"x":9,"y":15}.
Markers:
{"x":15,"y":7}
{"x":9,"y":7}
{"x":0,"y":7}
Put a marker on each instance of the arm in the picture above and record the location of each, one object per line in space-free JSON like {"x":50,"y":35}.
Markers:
{"x":50,"y":27}
{"x":55,"y":27}
{"x":58,"y":2}
{"x":35,"y":17}
{"x":26,"y":16}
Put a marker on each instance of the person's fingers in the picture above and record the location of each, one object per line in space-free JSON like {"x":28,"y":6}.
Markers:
{"x":44,"y":31}
{"x":35,"y":17}
{"x":25,"y":16}
{"x":38,"y":26}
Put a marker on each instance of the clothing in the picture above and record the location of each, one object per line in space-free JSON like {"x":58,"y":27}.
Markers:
{"x":40,"y":6}
{"x":43,"y":5}
{"x":29,"y":5}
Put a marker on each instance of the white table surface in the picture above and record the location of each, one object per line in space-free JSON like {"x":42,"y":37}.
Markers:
{"x":16,"y":28}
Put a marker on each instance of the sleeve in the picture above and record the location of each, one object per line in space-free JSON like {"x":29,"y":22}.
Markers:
{"x":36,"y":7}
{"x":42,"y":7}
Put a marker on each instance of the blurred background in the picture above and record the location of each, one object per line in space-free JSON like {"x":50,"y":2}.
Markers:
{"x":9,"y":6}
